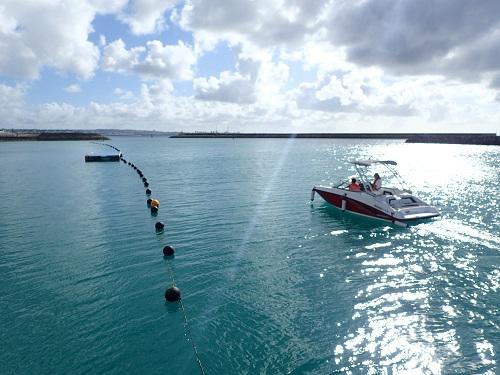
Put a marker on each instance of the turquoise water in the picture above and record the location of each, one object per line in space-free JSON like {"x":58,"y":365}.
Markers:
{"x":271,"y":283}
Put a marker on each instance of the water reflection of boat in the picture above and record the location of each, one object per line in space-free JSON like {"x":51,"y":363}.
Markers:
{"x":395,"y":204}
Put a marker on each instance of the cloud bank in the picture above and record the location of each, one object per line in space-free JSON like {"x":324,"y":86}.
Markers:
{"x":298,"y":65}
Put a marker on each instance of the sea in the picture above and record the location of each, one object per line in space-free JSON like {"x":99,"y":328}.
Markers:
{"x":271,"y":282}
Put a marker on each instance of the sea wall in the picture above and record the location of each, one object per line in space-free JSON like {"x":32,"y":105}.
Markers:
{"x":459,"y":138}
{"x":464,"y":139}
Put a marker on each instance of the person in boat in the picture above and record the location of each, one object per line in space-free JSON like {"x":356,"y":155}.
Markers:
{"x":376,"y":184}
{"x":354,"y":186}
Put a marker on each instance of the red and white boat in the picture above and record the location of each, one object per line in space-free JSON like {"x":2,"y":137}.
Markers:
{"x":395,"y":204}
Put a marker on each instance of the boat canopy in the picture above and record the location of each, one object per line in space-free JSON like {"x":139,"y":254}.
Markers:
{"x":367,"y":163}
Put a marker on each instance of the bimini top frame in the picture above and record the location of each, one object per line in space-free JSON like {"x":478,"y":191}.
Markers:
{"x":361,"y":166}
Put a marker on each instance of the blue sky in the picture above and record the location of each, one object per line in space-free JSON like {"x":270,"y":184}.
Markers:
{"x":274,"y":65}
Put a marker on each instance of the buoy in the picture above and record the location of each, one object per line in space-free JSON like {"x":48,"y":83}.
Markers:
{"x":173,"y":294}
{"x":146,"y":184}
{"x":155,"y":203}
{"x":144,"y":179}
{"x":128,"y":163}
{"x":159,"y":226}
{"x":148,"y":202}
{"x":148,"y":191}
{"x":168,"y":251}
{"x":154,"y":210}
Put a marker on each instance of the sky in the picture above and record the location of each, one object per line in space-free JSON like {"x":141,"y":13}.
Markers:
{"x":251,"y":65}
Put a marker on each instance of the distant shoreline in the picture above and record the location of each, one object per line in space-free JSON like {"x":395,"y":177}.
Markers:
{"x":51,"y":136}
{"x":104,"y":134}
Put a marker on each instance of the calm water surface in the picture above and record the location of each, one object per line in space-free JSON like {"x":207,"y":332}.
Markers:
{"x":271,"y":283}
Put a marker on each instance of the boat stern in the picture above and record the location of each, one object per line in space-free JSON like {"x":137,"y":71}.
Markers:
{"x":416,"y":213}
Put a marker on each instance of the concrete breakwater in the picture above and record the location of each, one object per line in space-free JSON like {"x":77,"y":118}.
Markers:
{"x":465,"y":139}
{"x":51,"y":136}
{"x":457,"y":138}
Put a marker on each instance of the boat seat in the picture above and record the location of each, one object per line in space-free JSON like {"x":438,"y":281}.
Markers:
{"x":400,"y":202}
{"x":391,"y":200}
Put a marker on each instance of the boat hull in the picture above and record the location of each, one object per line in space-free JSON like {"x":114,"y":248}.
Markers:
{"x":352,"y":205}
{"x":373,"y":206}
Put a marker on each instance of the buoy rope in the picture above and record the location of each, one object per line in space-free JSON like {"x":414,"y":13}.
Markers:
{"x":186,"y":323}
{"x":184,"y":314}
{"x":188,"y":330}
{"x":105,"y":144}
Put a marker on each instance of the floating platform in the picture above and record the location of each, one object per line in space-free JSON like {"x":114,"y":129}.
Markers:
{"x":91,"y":158}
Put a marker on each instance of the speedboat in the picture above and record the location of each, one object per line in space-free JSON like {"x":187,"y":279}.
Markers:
{"x":395,"y":204}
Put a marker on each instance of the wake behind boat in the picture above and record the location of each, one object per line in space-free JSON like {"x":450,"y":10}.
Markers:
{"x":395,"y":204}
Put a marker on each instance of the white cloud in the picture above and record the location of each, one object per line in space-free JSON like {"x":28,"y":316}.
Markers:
{"x":232,"y":87}
{"x":123,"y":94}
{"x":108,"y":6}
{"x":229,"y":87}
{"x":172,"y":61}
{"x":271,"y":80}
{"x":159,"y":61}
{"x":147,"y":16}
{"x":261,"y":22}
{"x":102,"y":40}
{"x":457,"y":39}
{"x":257,"y":79}
{"x":12,"y":105}
{"x":157,"y":93}
{"x":116,"y":58}
{"x":74,"y":88}
{"x":453,"y":38}
{"x":35,"y":34}
{"x":157,"y":108}
{"x":366,"y":92}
